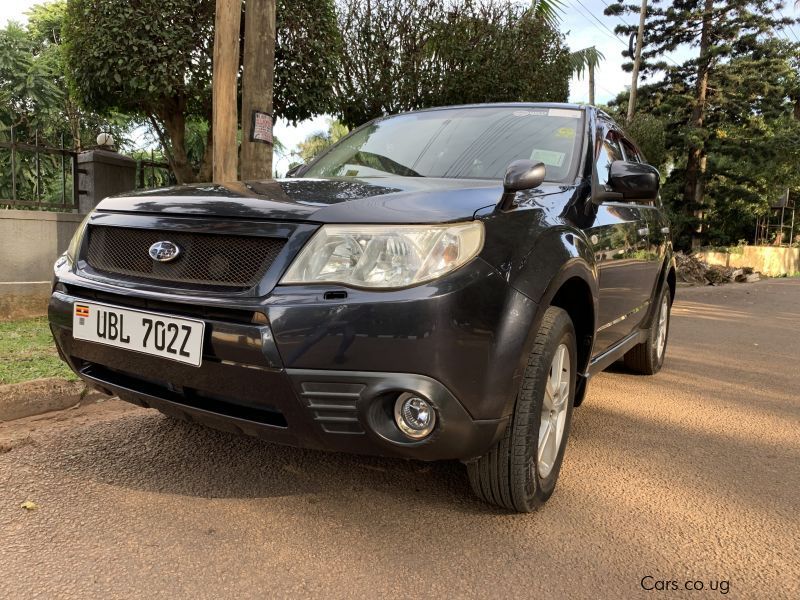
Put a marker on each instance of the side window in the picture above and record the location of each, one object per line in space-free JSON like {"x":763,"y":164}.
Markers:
{"x":631,"y":153}
{"x":610,"y":151}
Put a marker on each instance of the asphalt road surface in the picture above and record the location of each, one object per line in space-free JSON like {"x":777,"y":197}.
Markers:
{"x":692,"y":476}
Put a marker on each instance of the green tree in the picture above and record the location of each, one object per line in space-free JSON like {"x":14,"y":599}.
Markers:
{"x":152,"y":58}
{"x":586,"y":59}
{"x":28,"y":86}
{"x":751,"y":140}
{"x":34,"y":100}
{"x":649,"y":132}
{"x":407,"y":54}
{"x":723,"y":32}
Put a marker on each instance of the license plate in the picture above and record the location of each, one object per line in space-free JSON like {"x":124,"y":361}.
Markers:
{"x":174,"y":338}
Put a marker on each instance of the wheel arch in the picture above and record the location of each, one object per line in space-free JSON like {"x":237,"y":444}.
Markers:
{"x":560,"y":271}
{"x":672,"y":282}
{"x":575,"y":297}
{"x":573,"y":289}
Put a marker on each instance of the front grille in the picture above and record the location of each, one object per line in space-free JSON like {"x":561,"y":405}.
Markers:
{"x":206,"y":259}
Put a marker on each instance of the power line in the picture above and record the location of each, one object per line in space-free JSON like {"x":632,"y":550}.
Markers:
{"x":614,"y":35}
{"x":618,"y":16}
{"x":575,"y":8}
{"x":794,"y":35}
{"x":606,"y":90}
{"x":603,"y":25}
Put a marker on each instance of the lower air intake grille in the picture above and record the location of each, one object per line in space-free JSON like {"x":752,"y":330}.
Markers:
{"x":205,"y":259}
{"x":334,"y":405}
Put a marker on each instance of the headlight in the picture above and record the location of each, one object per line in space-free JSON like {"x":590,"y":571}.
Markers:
{"x":385,"y":256}
{"x":66,"y":260}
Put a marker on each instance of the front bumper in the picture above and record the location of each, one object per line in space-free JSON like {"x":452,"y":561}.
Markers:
{"x":255,"y":377}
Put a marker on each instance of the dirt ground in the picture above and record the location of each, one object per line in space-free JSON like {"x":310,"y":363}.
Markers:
{"x":689,"y":477}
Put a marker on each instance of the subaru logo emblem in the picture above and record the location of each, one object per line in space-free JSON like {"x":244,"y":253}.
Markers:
{"x":164,"y":251}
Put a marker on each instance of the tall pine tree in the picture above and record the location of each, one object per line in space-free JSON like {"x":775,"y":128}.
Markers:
{"x":720,"y":33}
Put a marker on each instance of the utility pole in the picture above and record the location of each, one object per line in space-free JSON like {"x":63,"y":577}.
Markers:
{"x":257,"y":86}
{"x":637,"y":60}
{"x":226,"y":69}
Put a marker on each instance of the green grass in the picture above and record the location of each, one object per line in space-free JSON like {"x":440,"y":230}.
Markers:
{"x":27,"y":352}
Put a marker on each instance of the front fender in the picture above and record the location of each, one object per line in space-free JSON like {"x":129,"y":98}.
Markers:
{"x":559,"y":254}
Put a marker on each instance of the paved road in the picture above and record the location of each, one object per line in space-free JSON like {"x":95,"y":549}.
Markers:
{"x":690,"y":475}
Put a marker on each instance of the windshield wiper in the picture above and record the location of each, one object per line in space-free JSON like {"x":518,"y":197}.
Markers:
{"x":386,"y":164}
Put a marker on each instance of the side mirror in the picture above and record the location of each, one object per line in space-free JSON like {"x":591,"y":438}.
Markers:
{"x":635,"y":181}
{"x":295,"y":170}
{"x":520,"y":175}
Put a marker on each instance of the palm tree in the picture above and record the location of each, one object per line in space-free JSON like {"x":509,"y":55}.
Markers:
{"x":549,"y":10}
{"x":580,"y":60}
{"x":586,"y":60}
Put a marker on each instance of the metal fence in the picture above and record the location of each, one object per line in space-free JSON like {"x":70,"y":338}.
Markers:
{"x":49,"y":175}
{"x":159,"y":174}
{"x":46,"y":177}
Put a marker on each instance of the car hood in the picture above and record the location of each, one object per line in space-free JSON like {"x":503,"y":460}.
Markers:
{"x":334,"y":200}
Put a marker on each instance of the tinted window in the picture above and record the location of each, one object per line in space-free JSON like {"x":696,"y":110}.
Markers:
{"x":631,"y":154}
{"x":610,"y":151}
{"x":473,"y":143}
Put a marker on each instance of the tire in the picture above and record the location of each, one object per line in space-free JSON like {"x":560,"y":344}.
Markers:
{"x":510,"y":474}
{"x":647,"y":358}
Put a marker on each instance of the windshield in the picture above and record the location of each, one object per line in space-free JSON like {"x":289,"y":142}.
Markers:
{"x":471,"y":143}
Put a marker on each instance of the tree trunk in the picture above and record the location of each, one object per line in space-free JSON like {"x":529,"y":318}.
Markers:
{"x":257,"y":80}
{"x":696,"y":159}
{"x":175,"y":125}
{"x":225,"y":101}
{"x":206,"y":173}
{"x":637,"y":61}
{"x":591,"y":83}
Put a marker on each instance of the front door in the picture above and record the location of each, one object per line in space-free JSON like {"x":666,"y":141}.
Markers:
{"x":620,"y":241}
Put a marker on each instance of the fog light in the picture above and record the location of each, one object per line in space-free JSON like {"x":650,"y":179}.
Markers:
{"x":414,"y":416}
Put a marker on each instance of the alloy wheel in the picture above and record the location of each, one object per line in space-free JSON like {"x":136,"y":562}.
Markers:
{"x":663,"y":320}
{"x":554,"y":410}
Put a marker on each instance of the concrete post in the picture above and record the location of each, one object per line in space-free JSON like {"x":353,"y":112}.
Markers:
{"x":103,"y":173}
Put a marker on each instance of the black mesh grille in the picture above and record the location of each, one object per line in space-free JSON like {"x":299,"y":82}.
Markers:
{"x":207,"y":260}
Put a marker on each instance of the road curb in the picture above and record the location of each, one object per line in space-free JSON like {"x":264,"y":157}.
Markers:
{"x":29,"y":398}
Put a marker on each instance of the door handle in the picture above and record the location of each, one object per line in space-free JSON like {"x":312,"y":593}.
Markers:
{"x":644,"y":231}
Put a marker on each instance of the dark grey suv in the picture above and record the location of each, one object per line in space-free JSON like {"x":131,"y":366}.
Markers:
{"x":438,"y":285}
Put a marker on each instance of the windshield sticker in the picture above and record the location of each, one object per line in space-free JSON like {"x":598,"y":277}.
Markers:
{"x":566,"y":132}
{"x":564,"y":112}
{"x":530,"y":113}
{"x":548,"y":157}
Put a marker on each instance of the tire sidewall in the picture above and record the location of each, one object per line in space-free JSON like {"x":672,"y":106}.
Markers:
{"x":656,"y":360}
{"x":538,"y":489}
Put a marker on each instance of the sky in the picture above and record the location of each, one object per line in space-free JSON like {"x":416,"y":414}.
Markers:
{"x":583,"y":24}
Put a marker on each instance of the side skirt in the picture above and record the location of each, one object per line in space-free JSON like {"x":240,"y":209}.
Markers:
{"x":604,"y":360}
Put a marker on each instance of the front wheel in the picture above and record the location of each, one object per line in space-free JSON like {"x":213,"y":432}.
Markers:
{"x":647,"y":358}
{"x":520,"y":472}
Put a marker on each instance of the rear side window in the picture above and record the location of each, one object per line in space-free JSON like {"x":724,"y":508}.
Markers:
{"x":631,"y":154}
{"x":610,"y":151}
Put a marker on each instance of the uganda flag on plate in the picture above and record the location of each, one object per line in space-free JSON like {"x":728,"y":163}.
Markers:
{"x":81,"y":310}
